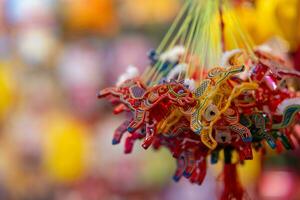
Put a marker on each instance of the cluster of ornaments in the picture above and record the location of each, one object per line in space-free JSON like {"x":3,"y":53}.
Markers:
{"x":244,"y":105}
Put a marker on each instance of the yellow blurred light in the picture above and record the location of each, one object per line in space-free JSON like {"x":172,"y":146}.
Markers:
{"x":149,"y":12}
{"x":6,"y":88}
{"x":90,"y":15}
{"x":269,"y":18}
{"x":65,"y":149}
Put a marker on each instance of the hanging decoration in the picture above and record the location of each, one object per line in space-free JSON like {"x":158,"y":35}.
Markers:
{"x":200,"y":98}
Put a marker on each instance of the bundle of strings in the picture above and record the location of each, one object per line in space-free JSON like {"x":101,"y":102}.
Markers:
{"x":197,"y":40}
{"x":207,"y":91}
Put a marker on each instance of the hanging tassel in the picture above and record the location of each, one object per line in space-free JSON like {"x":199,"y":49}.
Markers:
{"x":232,"y":187}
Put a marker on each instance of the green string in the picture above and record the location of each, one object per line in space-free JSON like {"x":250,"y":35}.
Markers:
{"x":198,"y":29}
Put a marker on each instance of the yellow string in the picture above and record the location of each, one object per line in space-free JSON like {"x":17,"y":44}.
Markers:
{"x":197,"y":28}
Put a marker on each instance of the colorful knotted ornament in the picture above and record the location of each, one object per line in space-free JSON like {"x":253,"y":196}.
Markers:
{"x":186,"y":104}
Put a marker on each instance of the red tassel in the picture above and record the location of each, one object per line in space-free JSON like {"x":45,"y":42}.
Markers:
{"x":232,"y":186}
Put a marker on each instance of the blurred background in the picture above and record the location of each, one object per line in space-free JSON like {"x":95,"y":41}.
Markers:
{"x":55,"y":135}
